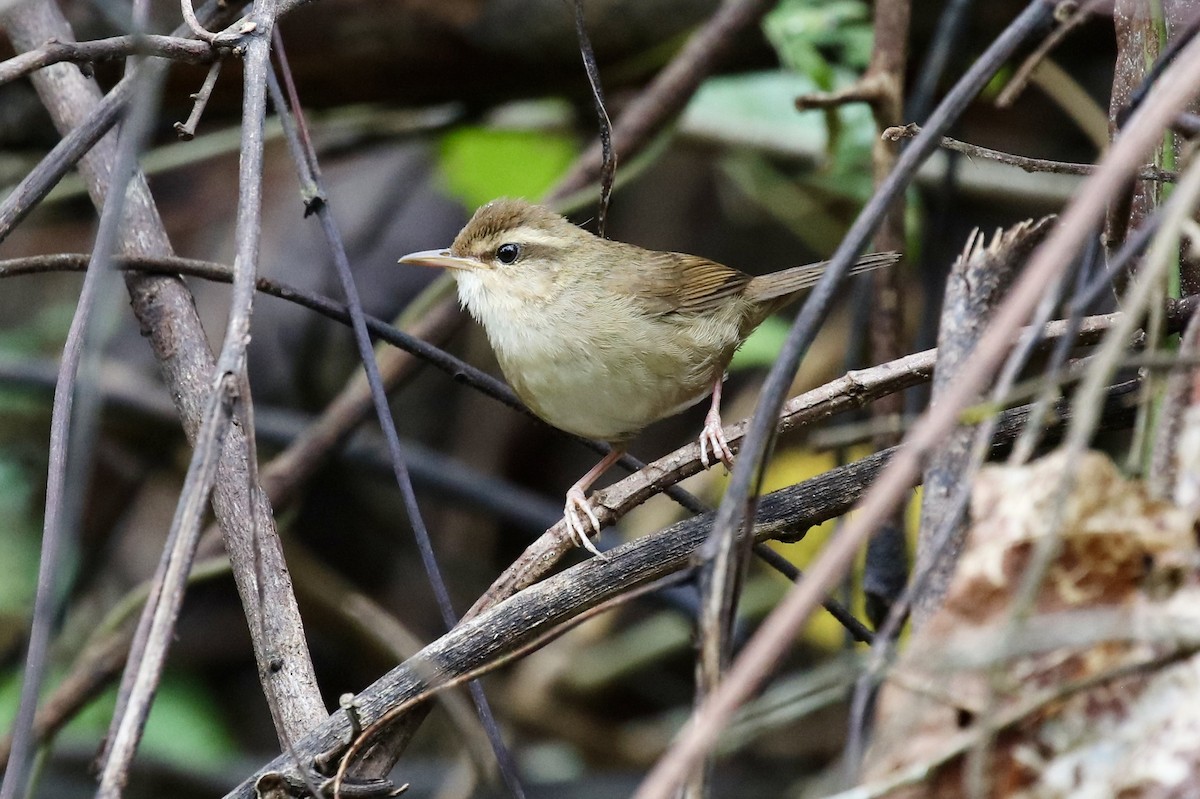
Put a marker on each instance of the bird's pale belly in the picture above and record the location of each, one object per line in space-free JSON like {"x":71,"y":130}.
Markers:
{"x":612,"y":397}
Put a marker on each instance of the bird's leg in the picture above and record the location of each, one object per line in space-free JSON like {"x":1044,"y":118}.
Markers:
{"x":712,"y":438}
{"x":581,"y":521}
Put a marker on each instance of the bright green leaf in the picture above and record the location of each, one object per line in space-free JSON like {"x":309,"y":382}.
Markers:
{"x":479,"y":164}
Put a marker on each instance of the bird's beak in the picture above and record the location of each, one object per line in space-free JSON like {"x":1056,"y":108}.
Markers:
{"x":441,"y":259}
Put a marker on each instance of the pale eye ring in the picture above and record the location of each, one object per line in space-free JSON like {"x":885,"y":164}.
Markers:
{"x":508,"y":253}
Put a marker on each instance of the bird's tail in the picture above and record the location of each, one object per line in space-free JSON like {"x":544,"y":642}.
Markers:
{"x":779,"y":288}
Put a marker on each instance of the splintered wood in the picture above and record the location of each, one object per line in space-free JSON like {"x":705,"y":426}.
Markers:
{"x":1074,"y":678}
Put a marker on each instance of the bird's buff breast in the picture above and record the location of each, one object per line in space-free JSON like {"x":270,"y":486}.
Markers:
{"x":602,"y":381}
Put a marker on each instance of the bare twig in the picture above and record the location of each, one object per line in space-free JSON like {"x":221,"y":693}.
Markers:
{"x":1149,"y":172}
{"x":174,"y":48}
{"x":608,"y":167}
{"x":187,"y":130}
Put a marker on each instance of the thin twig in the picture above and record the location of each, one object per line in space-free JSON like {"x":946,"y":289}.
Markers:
{"x":187,"y":130}
{"x":1149,"y":172}
{"x":174,"y":48}
{"x":608,"y":168}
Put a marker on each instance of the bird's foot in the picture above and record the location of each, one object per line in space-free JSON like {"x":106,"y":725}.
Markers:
{"x":581,"y":521}
{"x":713,"y":446}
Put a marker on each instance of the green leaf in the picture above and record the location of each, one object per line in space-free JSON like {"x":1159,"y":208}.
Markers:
{"x":479,"y":164}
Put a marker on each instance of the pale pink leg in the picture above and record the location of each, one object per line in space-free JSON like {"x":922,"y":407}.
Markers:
{"x":712,"y":438}
{"x":581,"y":521}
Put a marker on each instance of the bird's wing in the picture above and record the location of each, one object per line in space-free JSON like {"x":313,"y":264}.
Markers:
{"x":671,"y":282}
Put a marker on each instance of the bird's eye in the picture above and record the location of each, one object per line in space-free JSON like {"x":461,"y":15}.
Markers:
{"x":508,"y":253}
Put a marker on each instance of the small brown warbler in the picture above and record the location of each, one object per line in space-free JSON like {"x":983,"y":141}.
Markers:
{"x":601,"y":338}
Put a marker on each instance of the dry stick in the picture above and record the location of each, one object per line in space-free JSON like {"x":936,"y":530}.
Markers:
{"x":305,"y":158}
{"x":160,"y":617}
{"x":784,"y":514}
{"x":168,"y":317}
{"x":187,"y":130}
{"x":61,"y":520}
{"x":194,"y":24}
{"x":174,"y":48}
{"x":1148,"y":172}
{"x":977,"y":282}
{"x":768,"y":644}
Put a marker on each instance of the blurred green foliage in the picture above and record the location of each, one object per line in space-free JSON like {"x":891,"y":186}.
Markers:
{"x":478,"y":164}
{"x":18,"y":537}
{"x":184,"y":728}
{"x":819,"y":38}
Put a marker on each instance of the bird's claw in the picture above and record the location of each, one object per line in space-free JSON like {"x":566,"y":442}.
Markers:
{"x":581,"y":522}
{"x":713,"y":446}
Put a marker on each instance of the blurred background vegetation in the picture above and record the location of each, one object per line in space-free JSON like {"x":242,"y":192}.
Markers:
{"x":422,"y":110}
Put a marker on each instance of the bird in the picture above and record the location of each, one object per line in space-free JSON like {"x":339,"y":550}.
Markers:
{"x":601,"y":338}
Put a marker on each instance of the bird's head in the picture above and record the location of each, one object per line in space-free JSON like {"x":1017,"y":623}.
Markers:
{"x":508,"y":239}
